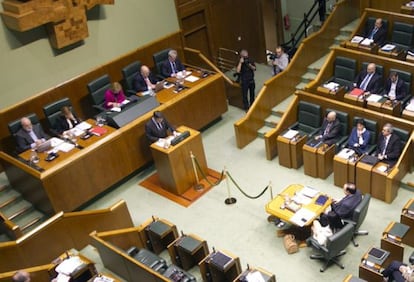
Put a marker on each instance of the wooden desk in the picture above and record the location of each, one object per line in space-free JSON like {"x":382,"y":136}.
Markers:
{"x":187,"y":251}
{"x":371,"y":273}
{"x":274,"y":206}
{"x":174,"y":164}
{"x":363,"y":177}
{"x":392,"y":243}
{"x":337,"y":94}
{"x":214,"y":273}
{"x":266,"y":275}
{"x":84,"y":272}
{"x":396,"y":53}
{"x":120,"y":152}
{"x":324,"y":160}
{"x":290,"y":151}
{"x":372,"y":49}
{"x":344,"y":169}
{"x":408,"y":219}
{"x":310,"y":160}
{"x":391,"y":108}
{"x":354,"y":100}
{"x":379,"y":188}
{"x":409,"y":115}
{"x":407,"y":10}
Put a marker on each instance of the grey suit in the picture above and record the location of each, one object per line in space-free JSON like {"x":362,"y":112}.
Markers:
{"x":24,"y":140}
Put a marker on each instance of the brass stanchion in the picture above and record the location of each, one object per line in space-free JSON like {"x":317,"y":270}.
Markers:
{"x":271,"y":190}
{"x":198,"y":186}
{"x":230,"y":200}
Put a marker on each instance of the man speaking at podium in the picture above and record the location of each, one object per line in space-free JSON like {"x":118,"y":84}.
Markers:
{"x":157,"y":127}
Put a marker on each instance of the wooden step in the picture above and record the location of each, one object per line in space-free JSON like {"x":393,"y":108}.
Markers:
{"x":20,"y":212}
{"x":4,"y":188}
{"x":9,"y":201}
{"x":26,"y":228}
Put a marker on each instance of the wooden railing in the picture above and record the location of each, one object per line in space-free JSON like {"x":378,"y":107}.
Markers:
{"x":283,"y":85}
{"x":61,"y":232}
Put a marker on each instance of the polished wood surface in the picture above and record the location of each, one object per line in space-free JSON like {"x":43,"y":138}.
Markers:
{"x":60,"y":233}
{"x":395,"y":247}
{"x":324,"y":160}
{"x":363,"y":177}
{"x":310,"y":160}
{"x":176,"y":178}
{"x":290,"y":151}
{"x":274,"y":206}
{"x":344,"y":170}
{"x":408,"y":219}
{"x":337,"y":94}
{"x":121,"y":152}
{"x":379,"y":189}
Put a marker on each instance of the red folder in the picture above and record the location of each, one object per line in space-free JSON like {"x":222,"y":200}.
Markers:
{"x":98,"y":131}
{"x":357,"y":92}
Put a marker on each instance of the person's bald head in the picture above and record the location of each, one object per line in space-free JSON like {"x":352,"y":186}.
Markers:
{"x":26,"y":124}
{"x":145,"y":71}
{"x":371,"y":68}
{"x":378,"y":23}
{"x":331,"y":116}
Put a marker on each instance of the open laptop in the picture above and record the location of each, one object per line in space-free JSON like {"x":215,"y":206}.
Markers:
{"x":159,"y":86}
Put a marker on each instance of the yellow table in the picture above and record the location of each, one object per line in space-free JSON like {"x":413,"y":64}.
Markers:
{"x":274,"y":206}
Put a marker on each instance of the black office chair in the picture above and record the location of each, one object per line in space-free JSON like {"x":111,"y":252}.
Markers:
{"x":15,"y":125}
{"x":129,"y":73}
{"x":335,"y":247}
{"x":344,"y":72}
{"x":309,"y":119}
{"x":148,"y":258}
{"x":159,"y":58}
{"x":402,"y":35}
{"x":358,"y":217}
{"x":343,"y":120}
{"x":404,"y":135}
{"x":97,"y":89}
{"x":52,"y":112}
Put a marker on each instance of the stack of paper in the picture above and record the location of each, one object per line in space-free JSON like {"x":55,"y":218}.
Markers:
{"x":331,"y":85}
{"x":191,"y":78}
{"x":388,"y":47}
{"x":83,"y":126}
{"x":290,"y":134}
{"x":374,"y":98}
{"x":309,"y":191}
{"x":357,"y":39}
{"x":346,"y":153}
{"x":302,"y":217}
{"x":367,"y":42}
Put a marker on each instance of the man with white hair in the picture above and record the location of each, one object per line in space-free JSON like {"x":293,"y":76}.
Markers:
{"x":388,"y":146}
{"x":330,"y":130}
{"x":171,"y":66}
{"x":30,"y":135}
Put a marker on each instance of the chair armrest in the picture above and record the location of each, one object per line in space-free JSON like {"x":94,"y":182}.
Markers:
{"x":341,"y":143}
{"x":294,"y":126}
{"x":349,"y":221}
{"x":132,"y":251}
{"x":313,"y":133}
{"x":100,"y":108}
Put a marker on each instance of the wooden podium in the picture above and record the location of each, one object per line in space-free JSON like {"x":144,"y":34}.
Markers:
{"x":174,"y":165}
{"x":318,"y":161}
{"x":290,"y":150}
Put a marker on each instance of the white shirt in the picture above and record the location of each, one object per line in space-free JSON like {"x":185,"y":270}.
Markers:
{"x":393,"y":87}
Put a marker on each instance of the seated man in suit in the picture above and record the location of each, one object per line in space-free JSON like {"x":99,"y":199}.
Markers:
{"x":144,"y":81}
{"x":368,"y":80}
{"x":171,"y":66}
{"x":329,"y":132}
{"x":359,"y":138}
{"x":388,"y":146}
{"x":395,"y":88}
{"x":342,"y":209}
{"x":377,"y":32}
{"x":157,"y":127}
{"x":398,"y":272}
{"x":67,"y":120}
{"x":30,"y":135}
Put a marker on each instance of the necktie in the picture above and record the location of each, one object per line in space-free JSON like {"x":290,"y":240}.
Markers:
{"x":173,"y":67}
{"x":384,"y":145}
{"x":328,"y":127}
{"x":371,"y":36}
{"x":365,"y":82}
{"x":33,"y":135}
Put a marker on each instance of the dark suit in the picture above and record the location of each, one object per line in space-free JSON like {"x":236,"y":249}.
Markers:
{"x":342,"y":209}
{"x":374,"y":85}
{"x":166,"y":69}
{"x":139,"y":83}
{"x":393,"y":149}
{"x":379,"y":37}
{"x":153,"y":133}
{"x":400,"y":89}
{"x":332,"y":135}
{"x":62,"y":124}
{"x":23,"y":139}
{"x":354,"y":139}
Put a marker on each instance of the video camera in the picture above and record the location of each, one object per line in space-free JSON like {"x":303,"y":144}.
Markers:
{"x":272,"y":56}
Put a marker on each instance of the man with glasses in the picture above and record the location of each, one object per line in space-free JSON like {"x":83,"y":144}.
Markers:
{"x":389,"y":145}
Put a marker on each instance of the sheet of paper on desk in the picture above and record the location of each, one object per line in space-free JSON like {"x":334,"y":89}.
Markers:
{"x":62,"y":278}
{"x":290,"y":134}
{"x":346,"y":153}
{"x":357,"y":39}
{"x":65,"y":147}
{"x":54,"y":141}
{"x":76,"y":131}
{"x":331,"y":85}
{"x":83,"y":125}
{"x":301,"y":199}
{"x":388,"y":47}
{"x":309,"y":191}
{"x":192,"y":78}
{"x":67,"y":266}
{"x":367,"y":42}
{"x":382,"y":168}
{"x":116,"y":109}
{"x":374,"y":98}
{"x":126,"y":101}
{"x":254,"y":276}
{"x":302,"y":216}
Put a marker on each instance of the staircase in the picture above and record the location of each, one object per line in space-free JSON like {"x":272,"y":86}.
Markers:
{"x":312,"y":71}
{"x":19,"y":211}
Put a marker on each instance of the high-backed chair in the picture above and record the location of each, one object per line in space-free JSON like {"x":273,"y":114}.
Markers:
{"x":129,"y":73}
{"x":335,"y":246}
{"x":407,"y":78}
{"x":370,"y":22}
{"x":358,"y":217}
{"x":159,"y":58}
{"x":309,"y":118}
{"x":344,"y":71}
{"x":402,"y":35}
{"x":148,"y":258}
{"x":402,"y":134}
{"x":97,"y":89}
{"x":52,"y":112}
{"x":343,"y":120}
{"x":15,"y":126}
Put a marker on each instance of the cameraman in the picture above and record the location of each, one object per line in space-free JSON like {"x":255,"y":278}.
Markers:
{"x":246,"y":68}
{"x":278,"y":61}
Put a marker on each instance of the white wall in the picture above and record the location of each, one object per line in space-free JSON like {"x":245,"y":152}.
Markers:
{"x":29,"y":65}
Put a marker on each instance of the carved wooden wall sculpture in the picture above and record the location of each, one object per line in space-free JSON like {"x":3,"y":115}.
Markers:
{"x":65,"y":20}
